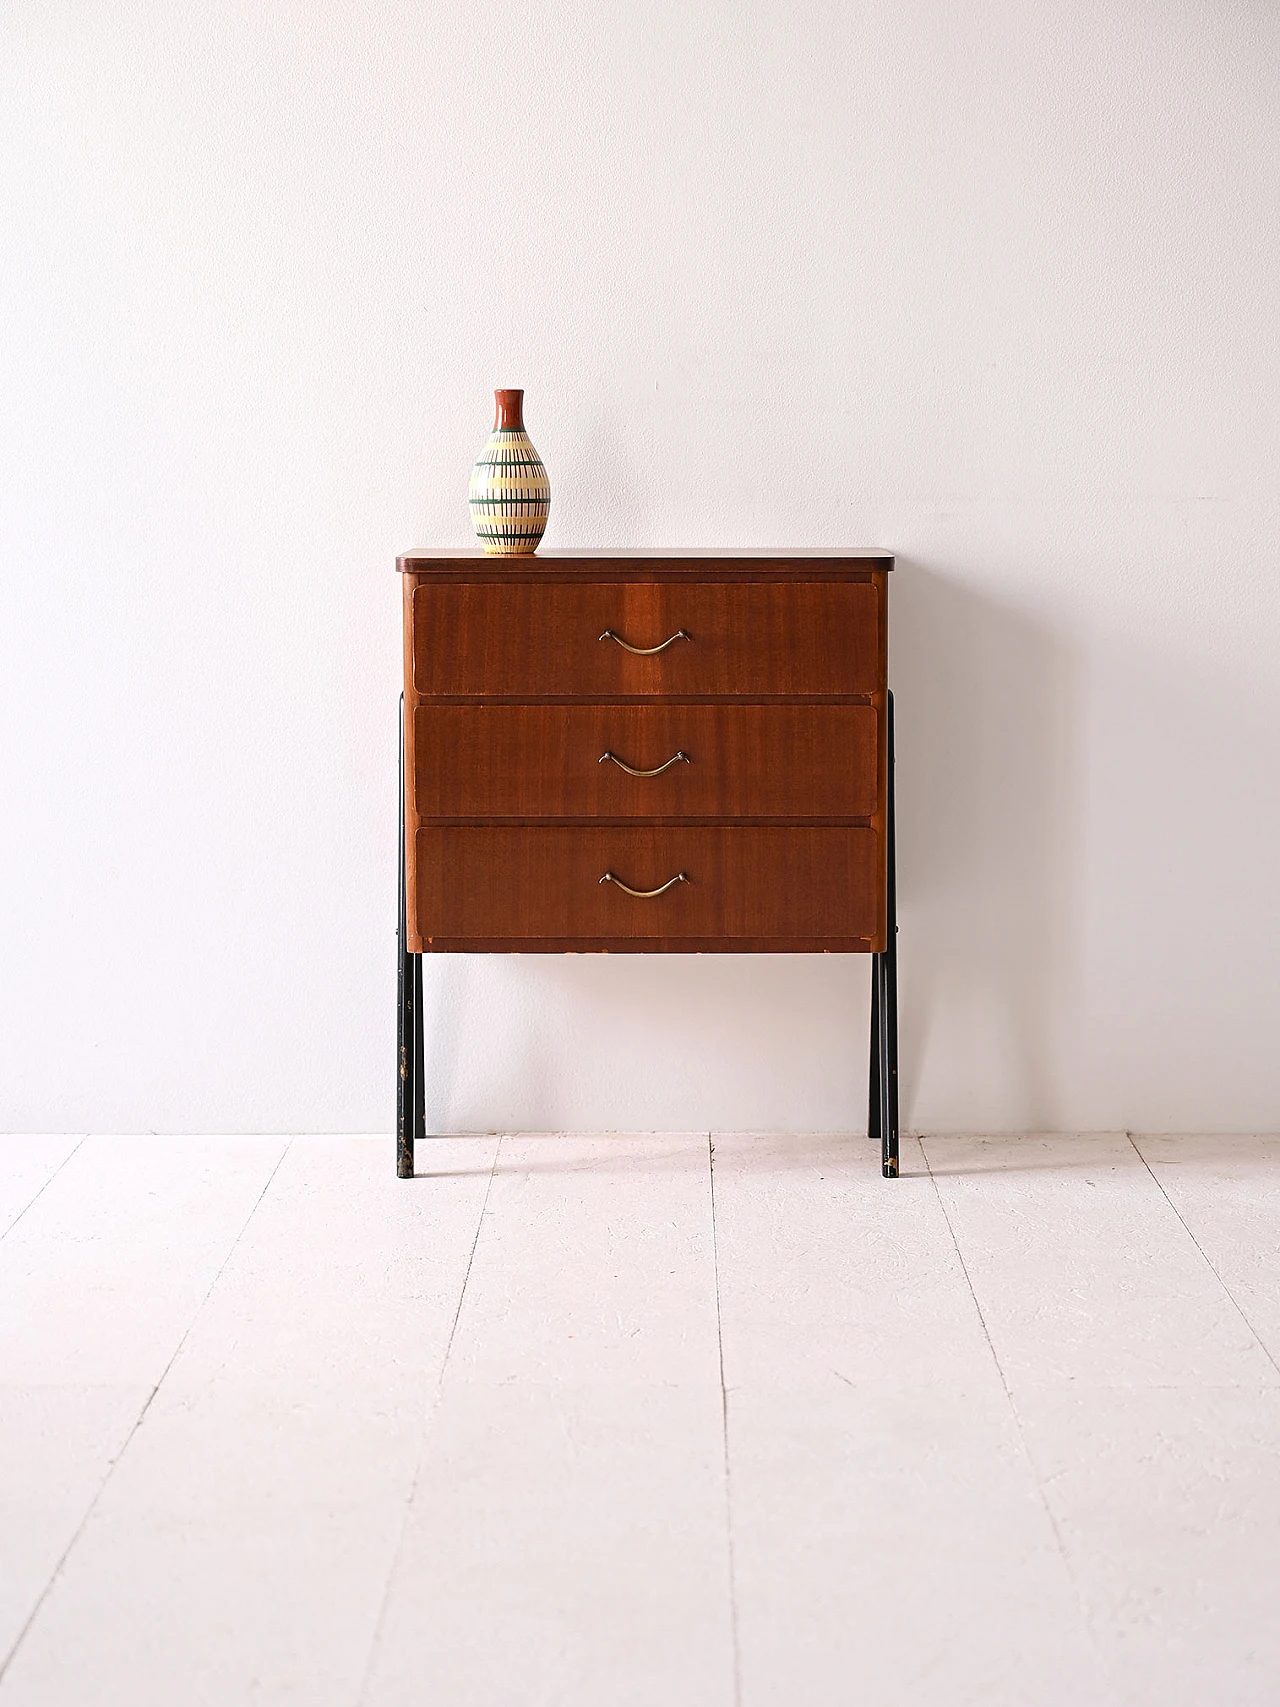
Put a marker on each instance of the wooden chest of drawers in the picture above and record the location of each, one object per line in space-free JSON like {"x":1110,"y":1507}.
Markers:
{"x":653,"y":752}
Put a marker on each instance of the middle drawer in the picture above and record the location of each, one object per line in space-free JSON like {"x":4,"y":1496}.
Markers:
{"x":709,"y":761}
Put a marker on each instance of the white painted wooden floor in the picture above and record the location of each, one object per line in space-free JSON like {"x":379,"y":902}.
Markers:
{"x":601,"y":1421}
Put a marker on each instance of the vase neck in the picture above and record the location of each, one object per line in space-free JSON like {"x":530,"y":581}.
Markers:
{"x":510,"y":411}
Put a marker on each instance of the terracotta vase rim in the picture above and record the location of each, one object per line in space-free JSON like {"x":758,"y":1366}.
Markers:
{"x":508,"y":409}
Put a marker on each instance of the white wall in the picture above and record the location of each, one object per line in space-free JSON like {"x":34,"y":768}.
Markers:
{"x":993,"y":285}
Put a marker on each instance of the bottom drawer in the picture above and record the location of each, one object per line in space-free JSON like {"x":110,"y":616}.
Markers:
{"x":799,"y":888}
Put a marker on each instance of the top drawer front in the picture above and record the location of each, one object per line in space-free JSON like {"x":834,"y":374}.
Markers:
{"x":522,"y":639}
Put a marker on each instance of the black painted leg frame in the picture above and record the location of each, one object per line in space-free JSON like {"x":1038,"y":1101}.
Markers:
{"x":411,"y":1102}
{"x":882,"y":1107}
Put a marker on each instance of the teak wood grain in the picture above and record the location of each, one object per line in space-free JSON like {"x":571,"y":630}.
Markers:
{"x":740,"y":761}
{"x":746,"y":886}
{"x":754,"y":638}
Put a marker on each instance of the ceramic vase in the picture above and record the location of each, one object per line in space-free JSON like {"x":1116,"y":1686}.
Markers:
{"x":510,"y":494}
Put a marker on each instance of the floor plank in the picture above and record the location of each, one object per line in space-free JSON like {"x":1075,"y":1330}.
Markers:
{"x":1082,"y":1270}
{"x":1168,"y":1503}
{"x":1143,"y":1395}
{"x":889,"y":1533}
{"x":57,"y":1446}
{"x":568,"y":1541}
{"x":829,"y":1274}
{"x":1227,"y":1191}
{"x":99,"y":1281}
{"x":241,"y":1549}
{"x":891,"y":1545}
{"x":595,"y":1264}
{"x":567,"y":1547}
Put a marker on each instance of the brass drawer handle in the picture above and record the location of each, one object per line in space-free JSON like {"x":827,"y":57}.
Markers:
{"x":676,"y":759}
{"x":645,"y":894}
{"x":646,"y":651}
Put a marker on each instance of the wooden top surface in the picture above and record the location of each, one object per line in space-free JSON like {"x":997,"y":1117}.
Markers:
{"x":446,"y":560}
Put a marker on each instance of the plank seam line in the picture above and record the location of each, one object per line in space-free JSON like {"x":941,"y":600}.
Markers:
{"x":428,"y":1419}
{"x":53,"y":1176}
{"x":1017,"y":1422}
{"x":724,"y":1428}
{"x":1209,"y":1264}
{"x":128,"y":1439}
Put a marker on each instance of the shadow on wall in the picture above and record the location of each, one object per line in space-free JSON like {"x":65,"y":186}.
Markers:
{"x":987,"y":753}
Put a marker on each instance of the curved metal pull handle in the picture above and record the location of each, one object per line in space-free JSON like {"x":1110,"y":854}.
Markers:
{"x":645,"y":894}
{"x":675,"y":759}
{"x":646,"y":651}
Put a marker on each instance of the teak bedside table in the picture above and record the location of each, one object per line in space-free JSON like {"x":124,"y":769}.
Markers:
{"x":647,"y":752}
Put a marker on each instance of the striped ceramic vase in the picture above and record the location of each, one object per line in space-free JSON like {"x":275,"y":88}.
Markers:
{"x":510,"y":494}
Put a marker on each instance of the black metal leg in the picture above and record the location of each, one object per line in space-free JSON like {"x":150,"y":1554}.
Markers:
{"x":888,"y":981}
{"x":875,"y":1123}
{"x":408,"y":1032}
{"x":884,"y":1049}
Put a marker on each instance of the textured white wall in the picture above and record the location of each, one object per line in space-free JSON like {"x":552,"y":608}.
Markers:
{"x":993,"y":285}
